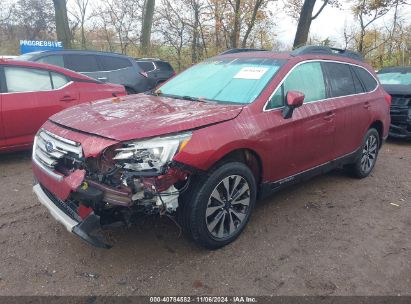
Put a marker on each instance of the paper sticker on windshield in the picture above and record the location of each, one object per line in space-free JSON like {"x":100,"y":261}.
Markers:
{"x":251,"y":73}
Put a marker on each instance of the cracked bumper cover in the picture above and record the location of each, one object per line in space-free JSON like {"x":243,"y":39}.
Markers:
{"x":85,"y":229}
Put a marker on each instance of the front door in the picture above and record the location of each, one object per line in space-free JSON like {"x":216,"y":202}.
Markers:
{"x":311,"y":129}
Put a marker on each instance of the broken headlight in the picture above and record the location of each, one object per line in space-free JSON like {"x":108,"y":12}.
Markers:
{"x":151,"y":154}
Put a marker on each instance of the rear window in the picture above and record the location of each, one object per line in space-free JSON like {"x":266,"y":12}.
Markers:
{"x":340,"y":79}
{"x":164,"y":66}
{"x":366,"y":78}
{"x":111,"y":63}
{"x":81,"y":63}
{"x":146,"y":66}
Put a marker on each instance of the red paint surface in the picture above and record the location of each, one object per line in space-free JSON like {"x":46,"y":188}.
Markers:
{"x":22,"y":113}
{"x":140,"y":116}
{"x":317,"y":132}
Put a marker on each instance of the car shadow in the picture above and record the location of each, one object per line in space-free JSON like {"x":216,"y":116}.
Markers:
{"x":14,"y":157}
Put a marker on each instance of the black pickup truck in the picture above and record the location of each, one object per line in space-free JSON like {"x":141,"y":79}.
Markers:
{"x":397,"y":83}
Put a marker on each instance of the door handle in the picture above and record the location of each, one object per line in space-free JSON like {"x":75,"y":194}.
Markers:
{"x":329,"y":116}
{"x":367,"y":105}
{"x":67,"y":98}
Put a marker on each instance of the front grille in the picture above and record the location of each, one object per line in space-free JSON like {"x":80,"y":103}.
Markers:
{"x":398,"y":100}
{"x":49,"y":149}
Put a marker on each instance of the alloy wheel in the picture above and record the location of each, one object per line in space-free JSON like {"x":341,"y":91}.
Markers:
{"x":369,"y":153}
{"x":228,"y":206}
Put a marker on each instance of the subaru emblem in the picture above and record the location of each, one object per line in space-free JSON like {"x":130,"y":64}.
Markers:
{"x":49,"y":146}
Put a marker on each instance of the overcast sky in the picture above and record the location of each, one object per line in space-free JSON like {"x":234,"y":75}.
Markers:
{"x":330,"y":23}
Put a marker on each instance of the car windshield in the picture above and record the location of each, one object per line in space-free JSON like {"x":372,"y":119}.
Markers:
{"x":395,"y":78}
{"x":227,"y":80}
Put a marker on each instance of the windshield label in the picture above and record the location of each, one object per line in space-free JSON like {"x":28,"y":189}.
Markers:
{"x":251,"y":73}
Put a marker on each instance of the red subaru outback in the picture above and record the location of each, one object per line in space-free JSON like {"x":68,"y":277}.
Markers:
{"x":211,"y":141}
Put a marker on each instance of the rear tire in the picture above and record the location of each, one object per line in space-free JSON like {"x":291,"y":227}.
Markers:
{"x":367,"y":158}
{"x":216,"y":208}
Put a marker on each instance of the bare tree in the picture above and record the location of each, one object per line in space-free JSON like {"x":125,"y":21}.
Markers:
{"x":304,"y":22}
{"x":79,"y":13}
{"x":34,"y":18}
{"x":124,"y":18}
{"x":148,"y":13}
{"x":367,"y":12}
{"x":174,"y":29}
{"x":62,"y":24}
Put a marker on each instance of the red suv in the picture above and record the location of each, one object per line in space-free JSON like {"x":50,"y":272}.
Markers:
{"x":211,"y":141}
{"x":32,"y":92}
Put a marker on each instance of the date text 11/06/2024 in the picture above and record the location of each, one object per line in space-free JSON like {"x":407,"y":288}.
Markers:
{"x":203,"y":299}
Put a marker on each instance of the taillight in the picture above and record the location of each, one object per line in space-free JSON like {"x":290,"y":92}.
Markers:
{"x":144,"y":74}
{"x":388,"y":99}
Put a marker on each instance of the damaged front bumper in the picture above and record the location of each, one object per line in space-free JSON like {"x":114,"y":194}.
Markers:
{"x":400,"y":117}
{"x":87,"y":229}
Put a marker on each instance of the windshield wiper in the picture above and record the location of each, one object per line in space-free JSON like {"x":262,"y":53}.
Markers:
{"x":192,"y":98}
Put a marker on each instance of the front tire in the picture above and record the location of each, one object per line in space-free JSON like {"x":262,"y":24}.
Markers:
{"x":217,"y":208}
{"x":368,"y":155}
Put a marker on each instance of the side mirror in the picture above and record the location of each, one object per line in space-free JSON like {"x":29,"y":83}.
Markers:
{"x":294,"y":99}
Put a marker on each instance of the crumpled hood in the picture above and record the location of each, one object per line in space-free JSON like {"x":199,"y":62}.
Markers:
{"x":140,"y":116}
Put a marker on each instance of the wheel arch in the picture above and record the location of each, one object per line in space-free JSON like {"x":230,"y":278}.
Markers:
{"x":379,"y":126}
{"x":247,"y":156}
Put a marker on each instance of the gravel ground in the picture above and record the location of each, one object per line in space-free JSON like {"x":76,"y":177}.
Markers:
{"x":333,"y":235}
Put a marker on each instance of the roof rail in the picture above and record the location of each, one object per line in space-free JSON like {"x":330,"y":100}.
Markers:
{"x":240,"y":50}
{"x":314,"y":49}
{"x":147,"y":58}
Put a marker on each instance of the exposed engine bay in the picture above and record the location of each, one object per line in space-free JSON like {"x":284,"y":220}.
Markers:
{"x":125,"y":179}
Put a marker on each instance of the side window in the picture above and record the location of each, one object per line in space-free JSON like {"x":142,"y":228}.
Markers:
{"x":163,"y":66}
{"x":26,"y":80}
{"x":59,"y":80}
{"x":52,"y":59}
{"x":340,"y":79}
{"x":368,"y":81}
{"x":81,"y":63}
{"x":111,"y":63}
{"x":146,"y":66}
{"x":306,"y":78}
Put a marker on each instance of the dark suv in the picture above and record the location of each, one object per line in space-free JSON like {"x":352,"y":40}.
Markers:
{"x":155,"y":70}
{"x":397,"y":82}
{"x":106,"y":67}
{"x":210,"y":141}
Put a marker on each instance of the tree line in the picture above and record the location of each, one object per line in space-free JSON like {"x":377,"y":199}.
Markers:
{"x":187,"y":31}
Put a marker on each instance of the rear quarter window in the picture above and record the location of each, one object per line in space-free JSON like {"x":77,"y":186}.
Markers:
{"x":366,"y":78}
{"x":111,"y":63}
{"x":146,"y":66}
{"x":164,"y":66}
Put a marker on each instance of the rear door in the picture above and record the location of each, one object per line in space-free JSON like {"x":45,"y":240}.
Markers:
{"x":86,"y":64}
{"x":343,"y":89}
{"x":352,"y":106}
{"x":148,"y":71}
{"x":30,"y":99}
{"x":116,"y":69}
{"x":163,"y":71}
